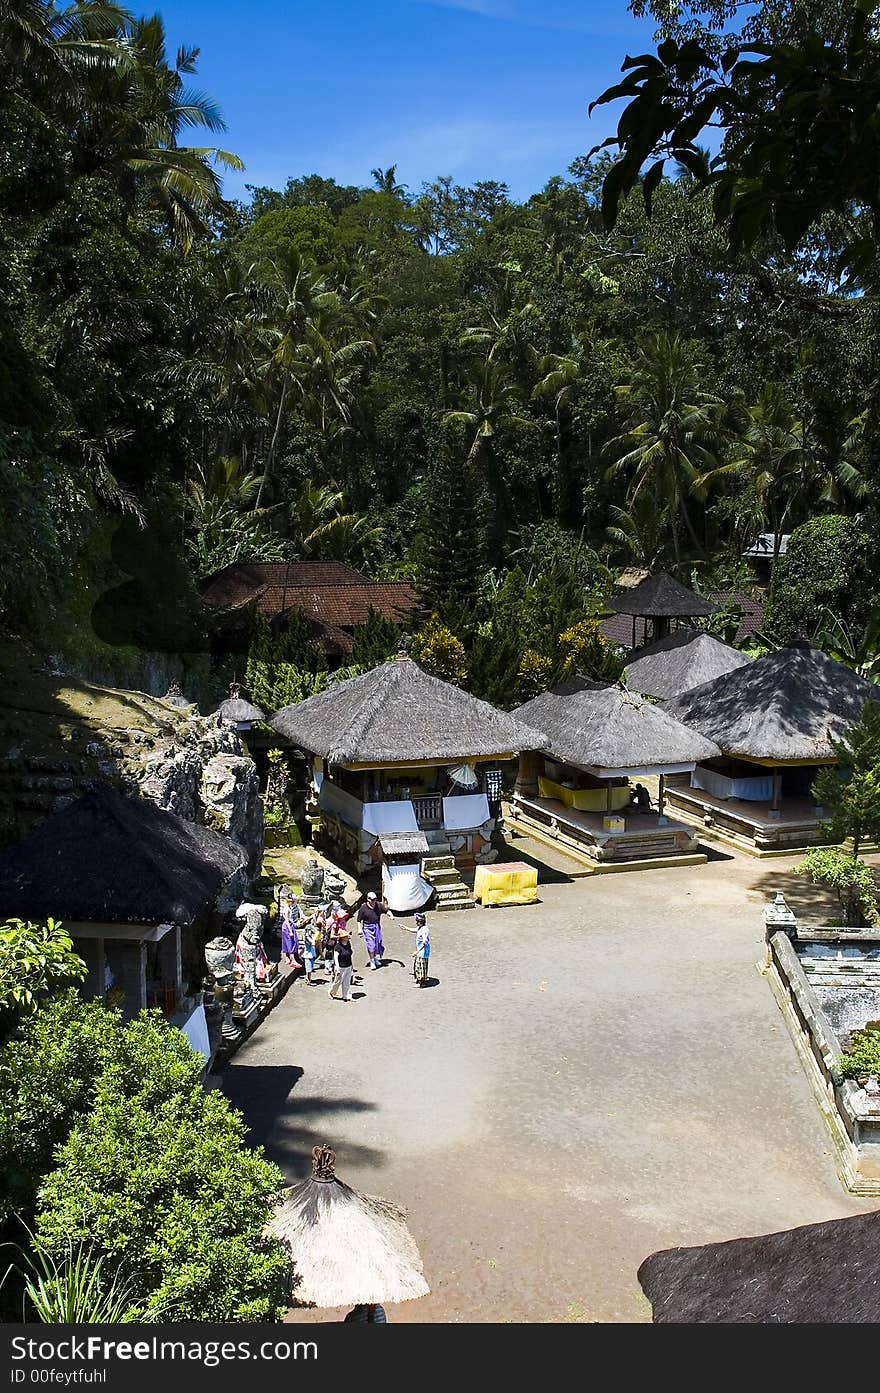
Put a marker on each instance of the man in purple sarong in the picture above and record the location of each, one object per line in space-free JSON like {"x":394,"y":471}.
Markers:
{"x":369,"y":918}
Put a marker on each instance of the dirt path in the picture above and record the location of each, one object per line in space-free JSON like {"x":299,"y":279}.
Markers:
{"x":587,"y":1081}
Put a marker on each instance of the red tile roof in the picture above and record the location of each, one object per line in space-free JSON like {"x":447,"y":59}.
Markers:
{"x":241,"y":582}
{"x":334,"y":596}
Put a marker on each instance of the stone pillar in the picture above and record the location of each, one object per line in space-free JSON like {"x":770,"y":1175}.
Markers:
{"x":778,"y":918}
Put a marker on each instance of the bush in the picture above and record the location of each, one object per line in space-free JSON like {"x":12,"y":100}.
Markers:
{"x":35,"y":960}
{"x":438,"y":651}
{"x":825,"y":566}
{"x":851,"y":880}
{"x":150,"y":1170}
{"x":863,"y":1055}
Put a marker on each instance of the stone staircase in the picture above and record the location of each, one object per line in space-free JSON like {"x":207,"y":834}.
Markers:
{"x":450,"y":891}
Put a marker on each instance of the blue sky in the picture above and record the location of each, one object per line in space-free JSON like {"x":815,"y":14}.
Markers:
{"x":491,"y":89}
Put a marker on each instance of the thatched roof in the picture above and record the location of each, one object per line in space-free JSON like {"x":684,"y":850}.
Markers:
{"x":815,"y":1274}
{"x":110,"y":859}
{"x":398,"y":713}
{"x":237,"y":709}
{"x":680,"y":661}
{"x":608,"y":727}
{"x":346,"y":1248}
{"x":660,"y":597}
{"x":782,"y":707}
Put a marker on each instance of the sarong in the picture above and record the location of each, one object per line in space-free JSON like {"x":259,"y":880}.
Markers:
{"x":420,"y":969}
{"x":373,"y":940}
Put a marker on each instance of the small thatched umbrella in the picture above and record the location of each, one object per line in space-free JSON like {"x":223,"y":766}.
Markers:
{"x":238,"y":711}
{"x":346,"y":1248}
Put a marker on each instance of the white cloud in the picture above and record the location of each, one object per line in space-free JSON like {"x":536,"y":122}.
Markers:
{"x":567,"y":15}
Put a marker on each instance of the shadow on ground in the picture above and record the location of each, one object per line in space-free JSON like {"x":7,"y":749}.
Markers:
{"x":288,"y":1127}
{"x":814,"y":903}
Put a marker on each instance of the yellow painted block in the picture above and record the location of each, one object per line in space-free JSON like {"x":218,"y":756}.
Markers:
{"x":510,"y":882}
{"x":614,"y":824}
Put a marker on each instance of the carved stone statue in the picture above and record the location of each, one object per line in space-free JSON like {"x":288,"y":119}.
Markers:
{"x":312,"y":881}
{"x":253,"y":971}
{"x":219,"y":978}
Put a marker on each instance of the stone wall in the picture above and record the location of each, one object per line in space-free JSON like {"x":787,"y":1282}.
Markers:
{"x":851,"y":1113}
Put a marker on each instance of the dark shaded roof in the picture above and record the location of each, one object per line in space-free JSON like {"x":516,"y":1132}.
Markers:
{"x":608,"y":727}
{"x":342,"y":606}
{"x":618,"y":628}
{"x":817,"y":1273}
{"x":334,"y":597}
{"x":752,"y":611}
{"x":240,"y":582}
{"x":684,"y":659}
{"x":398,"y":712}
{"x":784,"y":706}
{"x":110,"y":859}
{"x":660,"y":597}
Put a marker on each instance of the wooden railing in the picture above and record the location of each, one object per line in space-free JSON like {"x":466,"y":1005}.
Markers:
{"x":429,"y":810}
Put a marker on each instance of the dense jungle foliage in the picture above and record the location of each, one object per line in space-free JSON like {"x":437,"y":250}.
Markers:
{"x":506,"y":402}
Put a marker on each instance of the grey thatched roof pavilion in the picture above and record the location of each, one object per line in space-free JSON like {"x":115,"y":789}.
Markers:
{"x":237,"y":710}
{"x":611,"y":731}
{"x":781,"y":709}
{"x":398,"y":714}
{"x":110,"y":859}
{"x":661,"y":597}
{"x":814,"y":1274}
{"x":682,"y":660}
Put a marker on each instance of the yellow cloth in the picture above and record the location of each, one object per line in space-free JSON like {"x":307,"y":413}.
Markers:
{"x":588,"y":800}
{"x":512,"y":882}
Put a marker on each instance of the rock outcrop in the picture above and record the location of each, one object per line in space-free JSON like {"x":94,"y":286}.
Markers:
{"x":59,"y":737}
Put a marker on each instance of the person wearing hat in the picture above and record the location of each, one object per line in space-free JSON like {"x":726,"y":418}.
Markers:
{"x":342,"y":966}
{"x":422,"y":954}
{"x":370,"y":922}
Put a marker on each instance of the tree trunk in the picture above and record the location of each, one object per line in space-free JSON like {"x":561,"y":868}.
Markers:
{"x":271,"y":459}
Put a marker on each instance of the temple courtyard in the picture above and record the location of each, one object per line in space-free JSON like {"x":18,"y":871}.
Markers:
{"x":585,"y":1081}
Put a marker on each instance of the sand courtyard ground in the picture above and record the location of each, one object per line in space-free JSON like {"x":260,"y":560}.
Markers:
{"x":585,"y":1081}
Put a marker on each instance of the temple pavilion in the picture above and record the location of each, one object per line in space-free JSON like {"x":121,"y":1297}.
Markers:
{"x":404,"y":762}
{"x":682,"y":660}
{"x":658,"y":600}
{"x":773,"y":721}
{"x":580,"y":791}
{"x":138,"y":889}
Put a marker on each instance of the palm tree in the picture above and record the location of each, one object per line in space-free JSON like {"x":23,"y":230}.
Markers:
{"x":673,"y":431}
{"x":493,"y":404}
{"x":386,"y":181}
{"x":771,"y":460}
{"x":782,"y":469}
{"x":640,"y":537}
{"x":320,"y":529}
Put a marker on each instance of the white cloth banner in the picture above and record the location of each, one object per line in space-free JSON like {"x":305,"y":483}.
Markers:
{"x":464,"y":813}
{"x":390,"y":817}
{"x":335,"y":800}
{"x":751,"y":790}
{"x":403,"y":888}
{"x":195,"y":1028}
